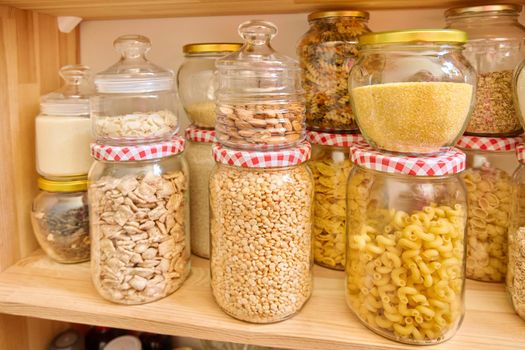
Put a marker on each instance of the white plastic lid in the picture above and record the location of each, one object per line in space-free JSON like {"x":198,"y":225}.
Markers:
{"x":126,"y":342}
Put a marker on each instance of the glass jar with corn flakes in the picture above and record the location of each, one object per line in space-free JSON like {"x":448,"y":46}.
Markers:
{"x":330,"y":165}
{"x":406,"y":234}
{"x":488,"y":180}
{"x":326,"y":53}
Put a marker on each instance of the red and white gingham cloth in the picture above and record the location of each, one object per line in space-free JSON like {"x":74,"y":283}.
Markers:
{"x":262,"y":159}
{"x":337,"y":140}
{"x":520,"y":152}
{"x":138,"y":152}
{"x":450,"y":162}
{"x":196,"y":134}
{"x":495,"y":144}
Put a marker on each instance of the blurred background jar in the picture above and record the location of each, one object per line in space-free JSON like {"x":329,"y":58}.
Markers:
{"x":495,"y":47}
{"x":196,"y":80}
{"x":518,"y":91}
{"x":326,"y":53}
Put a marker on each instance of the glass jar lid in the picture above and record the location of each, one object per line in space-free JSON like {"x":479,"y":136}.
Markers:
{"x":520,"y":152}
{"x":210,"y":47}
{"x":339,"y":13}
{"x":471,"y":10}
{"x":493,"y":144}
{"x":73,"y":97}
{"x":71,"y":185}
{"x":200,"y":135}
{"x":133,"y":72}
{"x":414,"y":35}
{"x":336,"y":140}
{"x":138,"y":152}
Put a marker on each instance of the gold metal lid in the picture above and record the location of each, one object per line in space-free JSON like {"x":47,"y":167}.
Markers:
{"x":211,"y":47}
{"x":483,"y":8}
{"x":340,"y":13}
{"x":414,"y":35}
{"x":76,"y":185}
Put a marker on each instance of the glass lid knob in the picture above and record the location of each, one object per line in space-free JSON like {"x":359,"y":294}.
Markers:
{"x":132,"y":47}
{"x":257,"y":32}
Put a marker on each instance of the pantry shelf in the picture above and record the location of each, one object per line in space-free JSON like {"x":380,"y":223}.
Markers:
{"x":38,"y":287}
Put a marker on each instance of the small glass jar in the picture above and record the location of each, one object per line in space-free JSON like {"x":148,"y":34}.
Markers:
{"x":488,"y":180}
{"x":330,"y":165}
{"x":495,"y":47}
{"x":197,"y":82}
{"x":138,"y":198}
{"x":261,"y":232}
{"x":200,"y":161}
{"x":326,"y":53}
{"x":60,"y":219}
{"x":63,"y":127}
{"x":136,"y":102}
{"x":412,"y":90}
{"x":260,"y":101}
{"x":406,"y":244}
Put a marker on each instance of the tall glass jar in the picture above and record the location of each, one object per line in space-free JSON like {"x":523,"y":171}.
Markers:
{"x":330,"y":165}
{"x":197,"y":81}
{"x":136,"y":101}
{"x":412,"y":90}
{"x":260,"y":101}
{"x":488,"y":180}
{"x":495,"y":47}
{"x":200,"y":160}
{"x":406,"y":244}
{"x":261,"y":232}
{"x":326,"y":53}
{"x":138,"y":198}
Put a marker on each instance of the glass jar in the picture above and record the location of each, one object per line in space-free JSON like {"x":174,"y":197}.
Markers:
{"x":138,"y":198}
{"x":196,"y":81}
{"x":406,"y":254}
{"x":261,"y":232}
{"x":63,"y":127}
{"x":136,"y":101}
{"x":60,"y":219}
{"x":412,"y":90}
{"x":326,"y":53}
{"x":330,"y":165}
{"x":260,"y":101}
{"x":495,"y":47}
{"x":488,"y":180}
{"x":200,"y":161}
{"x":518,"y":91}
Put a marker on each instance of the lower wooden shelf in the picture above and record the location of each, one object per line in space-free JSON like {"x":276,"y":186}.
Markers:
{"x":38,"y":287}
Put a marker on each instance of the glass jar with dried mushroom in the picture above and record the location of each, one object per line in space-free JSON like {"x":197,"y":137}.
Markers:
{"x":495,"y":47}
{"x":60,"y":219}
{"x":261,"y":232}
{"x":138,"y":198}
{"x":326,"y":53}
{"x":260,"y":101}
{"x":406,"y":244}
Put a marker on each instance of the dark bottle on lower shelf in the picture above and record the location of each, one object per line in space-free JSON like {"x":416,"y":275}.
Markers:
{"x":152,"y":341}
{"x":98,"y":337}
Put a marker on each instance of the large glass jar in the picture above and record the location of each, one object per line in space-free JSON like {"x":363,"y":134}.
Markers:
{"x":261,"y":232}
{"x":200,"y":161}
{"x":495,"y":47}
{"x":488,"y":180}
{"x":260,"y":101}
{"x":330,"y":165}
{"x":406,"y":244}
{"x":326,"y":53}
{"x":197,"y":81}
{"x":412,"y":91}
{"x":136,"y":100}
{"x":138,"y":198}
{"x":60,"y":219}
{"x":63,"y":127}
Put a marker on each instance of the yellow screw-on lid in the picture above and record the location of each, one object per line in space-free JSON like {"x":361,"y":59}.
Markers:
{"x":211,"y":47}
{"x":483,"y":8}
{"x":414,"y":35}
{"x":339,"y":13}
{"x":73,"y":185}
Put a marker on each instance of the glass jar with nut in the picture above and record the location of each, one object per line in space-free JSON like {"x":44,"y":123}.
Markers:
{"x":260,"y":101}
{"x":406,"y":244}
{"x":138,"y":198}
{"x":136,"y":101}
{"x":261,"y":232}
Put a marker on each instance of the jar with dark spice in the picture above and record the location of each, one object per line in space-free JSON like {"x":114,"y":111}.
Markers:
{"x":60,"y":220}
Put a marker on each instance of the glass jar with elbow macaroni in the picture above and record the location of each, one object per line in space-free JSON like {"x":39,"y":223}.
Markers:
{"x":330,"y":165}
{"x":406,"y":254}
{"x":488,"y":180}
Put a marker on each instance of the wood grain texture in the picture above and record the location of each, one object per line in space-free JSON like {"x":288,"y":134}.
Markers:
{"x":65,"y":292}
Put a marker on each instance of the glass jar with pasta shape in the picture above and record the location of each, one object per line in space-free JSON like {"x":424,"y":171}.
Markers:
{"x":488,"y":180}
{"x":406,"y":251}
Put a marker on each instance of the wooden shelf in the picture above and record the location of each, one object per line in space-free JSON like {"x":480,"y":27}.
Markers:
{"x":38,"y":287}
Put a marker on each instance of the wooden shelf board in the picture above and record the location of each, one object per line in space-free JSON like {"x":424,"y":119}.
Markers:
{"x":38,"y":287}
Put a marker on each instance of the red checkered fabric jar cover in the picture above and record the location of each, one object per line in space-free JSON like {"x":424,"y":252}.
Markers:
{"x":200,"y":135}
{"x":336,"y":140}
{"x":138,"y":152}
{"x":448,"y":163}
{"x":262,"y":159}
{"x":495,"y":144}
{"x":520,"y":152}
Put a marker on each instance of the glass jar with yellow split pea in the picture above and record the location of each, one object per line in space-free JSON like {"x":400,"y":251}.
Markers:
{"x":406,"y":244}
{"x":330,"y":165}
